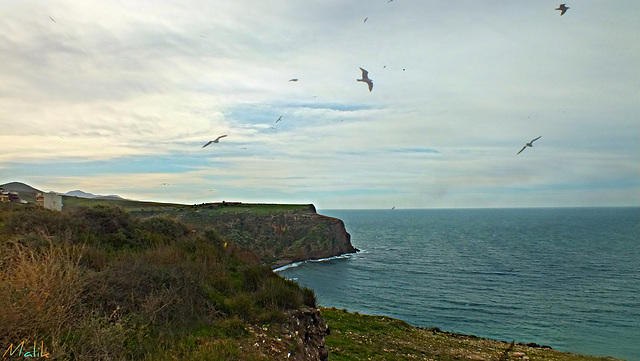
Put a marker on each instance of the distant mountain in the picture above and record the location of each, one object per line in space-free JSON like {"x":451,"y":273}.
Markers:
{"x":19,"y":187}
{"x":81,"y":194}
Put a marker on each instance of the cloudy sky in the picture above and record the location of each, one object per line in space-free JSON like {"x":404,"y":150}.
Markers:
{"x":118,"y":97}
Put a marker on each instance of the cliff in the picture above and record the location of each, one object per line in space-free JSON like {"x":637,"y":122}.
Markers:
{"x":282,"y":237}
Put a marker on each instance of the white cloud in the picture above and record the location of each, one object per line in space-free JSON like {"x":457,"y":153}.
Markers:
{"x":119,"y":80}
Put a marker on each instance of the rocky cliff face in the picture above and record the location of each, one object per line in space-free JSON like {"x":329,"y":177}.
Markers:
{"x":283,"y":237}
{"x":301,"y":338}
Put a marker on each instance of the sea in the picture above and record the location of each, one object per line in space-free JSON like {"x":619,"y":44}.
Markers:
{"x":568,"y":278}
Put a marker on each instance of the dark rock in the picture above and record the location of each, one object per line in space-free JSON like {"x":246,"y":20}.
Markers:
{"x":323,"y":353}
{"x":310,"y":328}
{"x":535,"y":345}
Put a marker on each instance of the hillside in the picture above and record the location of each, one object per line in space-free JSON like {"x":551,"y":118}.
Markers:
{"x":25,"y":191}
{"x":19,"y":187}
{"x":100,"y":284}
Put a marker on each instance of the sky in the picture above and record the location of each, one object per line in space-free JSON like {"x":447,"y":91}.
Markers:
{"x":118,"y":97}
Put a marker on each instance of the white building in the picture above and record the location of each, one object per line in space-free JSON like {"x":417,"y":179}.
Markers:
{"x":50,"y":200}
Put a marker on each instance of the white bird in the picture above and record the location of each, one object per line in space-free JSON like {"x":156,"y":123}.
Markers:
{"x":217,"y":140}
{"x":365,"y":79}
{"x":563,"y":9}
{"x":530,"y":144}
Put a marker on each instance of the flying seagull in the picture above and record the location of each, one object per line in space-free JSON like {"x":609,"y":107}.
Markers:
{"x":279,"y":119}
{"x":294,"y":79}
{"x":365,"y":79}
{"x":365,"y":19}
{"x":563,"y":9}
{"x":530,"y":144}
{"x":52,"y":19}
{"x":217,"y":140}
{"x":394,"y":207}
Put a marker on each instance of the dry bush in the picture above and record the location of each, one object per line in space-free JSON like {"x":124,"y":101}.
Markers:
{"x":40,"y":291}
{"x":159,"y":293}
{"x":98,"y":338}
{"x":164,"y":255}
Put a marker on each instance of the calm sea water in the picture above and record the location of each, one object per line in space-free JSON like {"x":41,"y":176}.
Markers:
{"x":568,"y":278}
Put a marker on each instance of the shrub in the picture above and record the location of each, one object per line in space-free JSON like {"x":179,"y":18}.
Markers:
{"x":309,"y":297}
{"x":169,"y":228}
{"x":279,"y":294}
{"x":39,"y":291}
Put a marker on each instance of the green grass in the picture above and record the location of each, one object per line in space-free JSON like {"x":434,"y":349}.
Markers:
{"x":75,"y":202}
{"x":363,"y":337}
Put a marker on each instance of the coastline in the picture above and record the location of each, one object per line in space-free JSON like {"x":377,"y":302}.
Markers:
{"x":282,"y":265}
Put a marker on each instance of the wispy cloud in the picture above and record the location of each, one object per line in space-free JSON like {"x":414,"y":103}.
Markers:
{"x":119,"y":97}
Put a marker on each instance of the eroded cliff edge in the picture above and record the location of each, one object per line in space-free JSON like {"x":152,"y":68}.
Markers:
{"x":279,"y":237}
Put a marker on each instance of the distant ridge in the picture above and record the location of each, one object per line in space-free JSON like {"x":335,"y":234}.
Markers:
{"x":81,"y":194}
{"x":19,"y":187}
{"x":25,"y":188}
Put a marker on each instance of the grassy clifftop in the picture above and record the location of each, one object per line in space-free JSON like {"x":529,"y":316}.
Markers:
{"x":363,"y":337}
{"x":100,"y":284}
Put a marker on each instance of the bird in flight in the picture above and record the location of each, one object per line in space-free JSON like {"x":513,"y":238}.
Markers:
{"x":294,"y":79}
{"x":279,"y":119}
{"x":365,"y":79}
{"x":365,"y":19}
{"x":530,"y":144}
{"x":52,"y":19}
{"x":217,"y":140}
{"x":394,"y":207}
{"x":563,"y":9}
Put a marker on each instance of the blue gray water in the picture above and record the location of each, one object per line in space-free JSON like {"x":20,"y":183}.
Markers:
{"x":568,"y":278}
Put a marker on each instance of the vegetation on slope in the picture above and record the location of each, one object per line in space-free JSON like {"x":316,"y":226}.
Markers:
{"x":277,"y":233}
{"x":99,"y":284}
{"x":363,"y":337}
